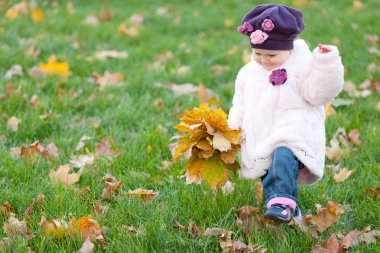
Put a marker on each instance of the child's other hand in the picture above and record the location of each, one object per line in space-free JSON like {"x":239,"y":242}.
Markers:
{"x":324,"y":49}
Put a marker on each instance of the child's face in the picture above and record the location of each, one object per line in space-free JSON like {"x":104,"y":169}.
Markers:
{"x":270,"y":59}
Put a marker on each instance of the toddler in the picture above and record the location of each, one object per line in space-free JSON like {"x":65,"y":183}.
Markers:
{"x":279,"y":105}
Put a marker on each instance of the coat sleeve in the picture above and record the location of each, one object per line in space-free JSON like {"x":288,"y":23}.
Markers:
{"x":235,"y":116}
{"x":325,"y":79}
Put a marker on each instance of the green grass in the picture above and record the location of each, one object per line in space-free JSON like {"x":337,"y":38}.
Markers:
{"x":130,"y":119}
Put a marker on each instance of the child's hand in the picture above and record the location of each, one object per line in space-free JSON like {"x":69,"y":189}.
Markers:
{"x":324,"y":49}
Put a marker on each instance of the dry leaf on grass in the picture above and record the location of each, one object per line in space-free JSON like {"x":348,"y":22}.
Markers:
{"x":331,"y":246}
{"x":104,"y":148}
{"x":62,"y":175}
{"x":37,"y":15}
{"x":5,"y":209}
{"x":91,"y":21}
{"x":112,"y":187}
{"x":34,"y":149}
{"x":15,"y":229}
{"x":192,"y":229}
{"x":249,"y":219}
{"x":326,"y":217}
{"x":88,"y":228}
{"x":108,"y":79}
{"x":146,"y":195}
{"x":82,"y":161}
{"x":87,"y":247}
{"x":12,"y":123}
{"x":214,"y":231}
{"x":15,"y":70}
{"x":56,"y":228}
{"x":353,"y":135}
{"x":102,"y":55}
{"x":259,"y":192}
{"x":343,"y":174}
{"x":375,"y":193}
{"x":237,"y":245}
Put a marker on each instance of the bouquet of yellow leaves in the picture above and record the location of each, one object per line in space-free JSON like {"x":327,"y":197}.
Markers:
{"x":213,"y":144}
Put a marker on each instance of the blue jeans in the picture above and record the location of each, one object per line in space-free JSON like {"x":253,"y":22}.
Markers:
{"x":281,"y":177}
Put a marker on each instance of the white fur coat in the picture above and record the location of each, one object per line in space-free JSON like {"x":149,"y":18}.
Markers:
{"x":290,"y":115}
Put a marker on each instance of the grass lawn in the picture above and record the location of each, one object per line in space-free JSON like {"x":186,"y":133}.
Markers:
{"x":178,"y":42}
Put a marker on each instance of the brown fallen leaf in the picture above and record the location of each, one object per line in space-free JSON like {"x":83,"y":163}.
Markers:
{"x":34,"y":149}
{"x":354,"y":237}
{"x":15,"y":229}
{"x":333,"y":153}
{"x":87,"y":247}
{"x":331,"y":246}
{"x":329,"y":109}
{"x":353,"y":135}
{"x":15,"y":70}
{"x":112,"y":187}
{"x":326,"y":217}
{"x":229,"y":245}
{"x":259,"y":192}
{"x":343,"y":174}
{"x":82,"y":161}
{"x":108,"y":79}
{"x":247,"y":220}
{"x":357,"y":5}
{"x":102,"y":55}
{"x":40,"y":199}
{"x":5,"y":209}
{"x":375,"y":193}
{"x":373,"y":38}
{"x":136,"y":19}
{"x":91,"y":21}
{"x":62,"y":175}
{"x":146,"y":195}
{"x":104,"y":148}
{"x":192,"y":229}
{"x":214,"y":231}
{"x":13,"y":123}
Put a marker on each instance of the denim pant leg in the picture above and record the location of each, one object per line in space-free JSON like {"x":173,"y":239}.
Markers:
{"x":281,"y":177}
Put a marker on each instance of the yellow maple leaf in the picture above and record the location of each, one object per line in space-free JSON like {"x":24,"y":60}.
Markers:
{"x":212,"y":170}
{"x":56,"y":228}
{"x":55,"y":68}
{"x":37,"y":15}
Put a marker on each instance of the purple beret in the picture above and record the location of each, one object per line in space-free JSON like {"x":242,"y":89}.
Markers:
{"x":272,"y":26}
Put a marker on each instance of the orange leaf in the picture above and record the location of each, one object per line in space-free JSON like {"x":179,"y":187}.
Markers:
{"x":87,"y":227}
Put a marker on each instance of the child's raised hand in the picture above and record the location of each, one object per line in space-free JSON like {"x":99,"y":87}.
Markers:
{"x":324,"y":49}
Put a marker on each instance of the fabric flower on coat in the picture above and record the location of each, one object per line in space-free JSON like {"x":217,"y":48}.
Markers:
{"x":258,"y":37}
{"x":267,"y":25}
{"x":245,"y":28}
{"x":278,"y":77}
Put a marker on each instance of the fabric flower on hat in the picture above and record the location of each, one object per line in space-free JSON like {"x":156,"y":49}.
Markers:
{"x":258,"y":37}
{"x":278,"y":77}
{"x":267,"y":25}
{"x":245,"y":28}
